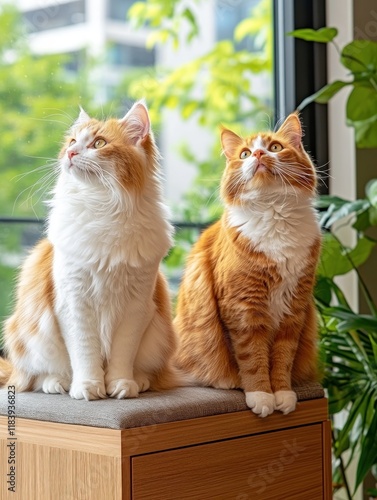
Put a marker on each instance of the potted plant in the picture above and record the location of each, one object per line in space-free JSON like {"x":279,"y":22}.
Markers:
{"x":349,"y":339}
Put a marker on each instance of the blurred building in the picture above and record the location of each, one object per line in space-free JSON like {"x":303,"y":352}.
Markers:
{"x":100,"y":28}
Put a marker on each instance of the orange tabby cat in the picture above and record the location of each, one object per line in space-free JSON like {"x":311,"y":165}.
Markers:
{"x":245,"y":315}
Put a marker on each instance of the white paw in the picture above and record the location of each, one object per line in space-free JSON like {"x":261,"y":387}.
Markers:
{"x":285,"y":401}
{"x":55,"y":384}
{"x":261,"y":403}
{"x":142,"y":381}
{"x":122,"y":388}
{"x":88,"y":389}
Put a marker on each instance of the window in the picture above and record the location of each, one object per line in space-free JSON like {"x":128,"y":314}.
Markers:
{"x":130,"y":55}
{"x":76,"y":61}
{"x":300,"y":70}
{"x":55,"y":16}
{"x":56,"y":102}
{"x":227,"y":18}
{"x":117,"y":9}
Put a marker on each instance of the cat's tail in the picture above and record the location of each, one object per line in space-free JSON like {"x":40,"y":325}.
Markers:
{"x":171,"y":377}
{"x":5,"y":371}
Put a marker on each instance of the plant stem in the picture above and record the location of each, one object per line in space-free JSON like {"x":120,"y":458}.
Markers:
{"x":364,"y":289}
{"x":336,"y":47}
{"x":342,"y":470}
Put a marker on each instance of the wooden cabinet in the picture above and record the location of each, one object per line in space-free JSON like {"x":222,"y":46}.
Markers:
{"x":283,"y":464}
{"x":233,"y":456}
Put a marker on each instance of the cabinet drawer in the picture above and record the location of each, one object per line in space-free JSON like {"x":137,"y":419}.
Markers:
{"x":277,"y":465}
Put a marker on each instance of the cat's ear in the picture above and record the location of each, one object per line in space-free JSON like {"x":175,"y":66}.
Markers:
{"x":230,"y":142}
{"x":83,"y":118}
{"x":137,"y":122}
{"x":292,"y":129}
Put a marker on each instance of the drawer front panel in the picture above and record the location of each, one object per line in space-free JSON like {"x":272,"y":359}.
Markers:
{"x":277,"y":465}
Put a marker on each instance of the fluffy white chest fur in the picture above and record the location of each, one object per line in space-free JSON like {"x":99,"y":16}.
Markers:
{"x":284,"y":228}
{"x":106,"y":253}
{"x":93,"y":228}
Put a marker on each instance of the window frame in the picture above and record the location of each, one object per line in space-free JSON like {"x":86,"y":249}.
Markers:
{"x":300,"y":69}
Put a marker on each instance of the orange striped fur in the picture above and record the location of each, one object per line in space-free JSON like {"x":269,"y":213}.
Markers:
{"x":243,"y":320}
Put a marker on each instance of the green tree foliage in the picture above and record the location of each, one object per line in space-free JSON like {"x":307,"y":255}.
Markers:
{"x":37,"y":106}
{"x":216,"y":88}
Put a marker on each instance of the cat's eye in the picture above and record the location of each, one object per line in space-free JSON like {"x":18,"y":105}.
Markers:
{"x":73,"y":141}
{"x":99,"y":143}
{"x":275,"y":147}
{"x":245,"y":153}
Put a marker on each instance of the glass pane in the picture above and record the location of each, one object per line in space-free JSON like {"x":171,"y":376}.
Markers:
{"x":198,"y":65}
{"x":117,"y":9}
{"x":16,"y":239}
{"x":55,"y":16}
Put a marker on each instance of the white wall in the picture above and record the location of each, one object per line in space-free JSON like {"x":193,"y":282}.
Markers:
{"x":342,"y":151}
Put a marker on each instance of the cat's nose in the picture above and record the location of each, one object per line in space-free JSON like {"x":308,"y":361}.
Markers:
{"x":258,"y":153}
{"x":71,"y":153}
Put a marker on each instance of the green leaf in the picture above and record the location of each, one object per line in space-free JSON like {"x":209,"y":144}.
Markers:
{"x":360,"y":56}
{"x":325,"y":200}
{"x":188,"y":109}
{"x":373,"y":341}
{"x":136,"y":13}
{"x":243,"y":29}
{"x":323,"y":35}
{"x":324,"y":94}
{"x":339,"y":399}
{"x":368,"y":452}
{"x":332,"y":262}
{"x":371,"y":192}
{"x":373,"y":216}
{"x":361,"y":252}
{"x":359,"y":406}
{"x":335,"y":261}
{"x":362,"y":104}
{"x":190,"y":17}
{"x":363,"y":221}
{"x":358,"y":322}
{"x":352,"y":321}
{"x":322,"y":290}
{"x":347,"y":209}
{"x":365,"y":132}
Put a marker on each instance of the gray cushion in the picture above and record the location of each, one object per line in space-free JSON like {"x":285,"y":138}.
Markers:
{"x":148,"y":409}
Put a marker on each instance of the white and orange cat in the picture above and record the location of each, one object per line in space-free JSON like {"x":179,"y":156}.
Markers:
{"x":92,"y":314}
{"x":245,"y":314}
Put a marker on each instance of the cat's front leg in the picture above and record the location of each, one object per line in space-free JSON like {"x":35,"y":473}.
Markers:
{"x":120,"y":378}
{"x":283,"y":353}
{"x":81,"y":336}
{"x":251,"y":347}
{"x":87,"y":365}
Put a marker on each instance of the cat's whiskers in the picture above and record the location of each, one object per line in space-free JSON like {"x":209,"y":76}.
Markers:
{"x":42,"y":190}
{"x":294,"y":172}
{"x":287,"y":175}
{"x":19,"y":177}
{"x":103,"y":177}
{"x":45,"y":181}
{"x":238,"y":183}
{"x":285,"y":182}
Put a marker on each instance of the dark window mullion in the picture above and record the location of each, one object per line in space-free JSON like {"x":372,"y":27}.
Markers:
{"x":300,"y":70}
